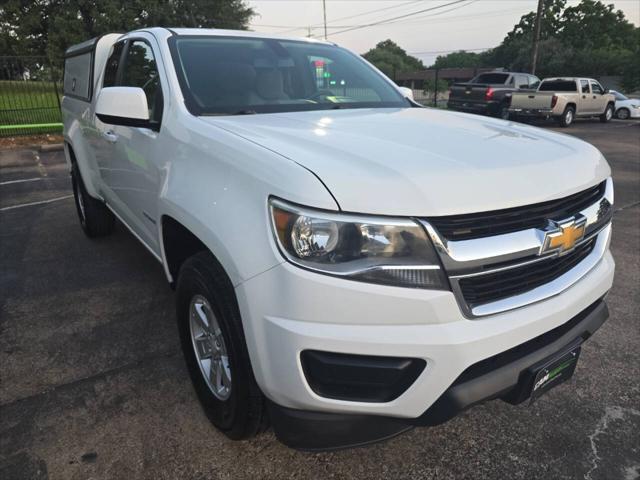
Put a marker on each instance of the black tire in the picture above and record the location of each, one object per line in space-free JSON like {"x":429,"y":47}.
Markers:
{"x":95,"y":218}
{"x":567,"y":117}
{"x":503,"y":111}
{"x":607,"y":115}
{"x":623,"y":113}
{"x":243,"y":414}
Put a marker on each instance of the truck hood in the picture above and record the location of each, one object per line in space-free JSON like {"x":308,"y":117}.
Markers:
{"x":422,"y":161}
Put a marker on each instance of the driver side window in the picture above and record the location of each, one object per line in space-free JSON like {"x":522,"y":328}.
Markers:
{"x":140,"y":70}
{"x":596,"y":88}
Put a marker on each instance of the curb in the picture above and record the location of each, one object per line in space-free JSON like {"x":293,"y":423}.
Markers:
{"x":53,"y":147}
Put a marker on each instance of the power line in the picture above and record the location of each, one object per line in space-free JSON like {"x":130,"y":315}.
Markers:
{"x":439,"y":13}
{"x":293,"y":28}
{"x":492,"y":13}
{"x":434,"y":52}
{"x":405,"y":4}
{"x":399,"y":17}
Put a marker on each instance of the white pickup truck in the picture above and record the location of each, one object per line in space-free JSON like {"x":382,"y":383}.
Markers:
{"x":347,"y":264}
{"x":564,"y":99}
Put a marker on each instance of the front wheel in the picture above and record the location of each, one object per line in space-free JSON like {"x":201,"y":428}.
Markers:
{"x":567,"y":117}
{"x":607,"y":115}
{"x":215,"y":351}
{"x":623,"y":114}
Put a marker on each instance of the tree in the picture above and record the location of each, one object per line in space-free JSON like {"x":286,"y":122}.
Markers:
{"x":590,"y":39}
{"x":391,"y":59}
{"x":459,"y":59}
{"x":48,"y":27}
{"x":631,"y":69}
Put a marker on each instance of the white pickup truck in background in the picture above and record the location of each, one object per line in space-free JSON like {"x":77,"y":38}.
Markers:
{"x":564,"y":99}
{"x":347,"y":264}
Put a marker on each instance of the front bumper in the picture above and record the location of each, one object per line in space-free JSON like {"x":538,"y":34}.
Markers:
{"x":287,"y":310}
{"x":501,"y":376}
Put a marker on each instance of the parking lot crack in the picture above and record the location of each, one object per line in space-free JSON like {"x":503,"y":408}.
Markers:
{"x":93,"y":378}
{"x":610,"y":414}
{"x":626,"y":207}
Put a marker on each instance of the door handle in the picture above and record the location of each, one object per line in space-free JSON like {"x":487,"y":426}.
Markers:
{"x":594,"y":97}
{"x":109,"y":136}
{"x":584,"y":96}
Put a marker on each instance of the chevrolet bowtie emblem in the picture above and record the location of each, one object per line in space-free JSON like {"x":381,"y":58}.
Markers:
{"x":562,"y":237}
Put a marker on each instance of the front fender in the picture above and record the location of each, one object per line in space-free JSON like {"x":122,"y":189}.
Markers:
{"x":217,"y":185}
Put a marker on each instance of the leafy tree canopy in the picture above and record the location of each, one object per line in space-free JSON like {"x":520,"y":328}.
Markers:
{"x":37,"y":27}
{"x":590,"y":39}
{"x":389,"y":57}
{"x":458,"y":59}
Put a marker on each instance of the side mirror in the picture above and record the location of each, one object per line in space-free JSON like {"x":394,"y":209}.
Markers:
{"x":406,"y":92}
{"x":123,"y":106}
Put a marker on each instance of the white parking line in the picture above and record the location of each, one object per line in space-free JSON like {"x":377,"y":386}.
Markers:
{"x":9,"y":182}
{"x":35,"y":203}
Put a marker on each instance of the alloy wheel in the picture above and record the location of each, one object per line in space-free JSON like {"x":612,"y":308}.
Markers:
{"x":210,"y":348}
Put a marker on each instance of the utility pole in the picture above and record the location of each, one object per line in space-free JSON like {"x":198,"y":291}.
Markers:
{"x":536,"y":36}
{"x":309,"y":35}
{"x":324,"y":11}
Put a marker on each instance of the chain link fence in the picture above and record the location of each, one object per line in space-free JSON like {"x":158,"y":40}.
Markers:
{"x":29,"y":96}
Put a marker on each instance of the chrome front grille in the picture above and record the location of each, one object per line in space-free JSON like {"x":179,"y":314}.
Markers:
{"x":493,"y":274}
{"x":485,"y":288}
{"x":499,"y":222}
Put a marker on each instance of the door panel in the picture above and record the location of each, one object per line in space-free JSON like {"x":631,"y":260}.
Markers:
{"x":135,"y":176}
{"x":598,"y":98}
{"x":102,"y":137}
{"x":585,"y":104}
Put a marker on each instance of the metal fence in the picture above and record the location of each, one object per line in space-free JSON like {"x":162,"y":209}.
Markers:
{"x":29,"y":96}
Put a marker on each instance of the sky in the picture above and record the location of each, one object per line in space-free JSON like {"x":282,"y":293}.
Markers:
{"x":450,"y":24}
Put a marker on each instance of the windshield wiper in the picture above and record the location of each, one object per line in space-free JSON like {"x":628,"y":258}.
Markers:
{"x":244,"y":112}
{"x":226,"y":114}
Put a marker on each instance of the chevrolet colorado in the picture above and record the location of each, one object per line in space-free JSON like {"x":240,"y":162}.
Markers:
{"x":489,"y":93}
{"x":347,"y":264}
{"x":565,"y":99}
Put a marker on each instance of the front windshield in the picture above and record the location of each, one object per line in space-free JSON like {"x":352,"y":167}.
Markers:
{"x":619,"y":96}
{"x":241,"y":75}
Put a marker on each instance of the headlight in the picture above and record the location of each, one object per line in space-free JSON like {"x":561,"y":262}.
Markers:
{"x":370,"y":249}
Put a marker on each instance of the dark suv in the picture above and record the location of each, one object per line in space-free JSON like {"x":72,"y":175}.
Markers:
{"x":489,"y":93}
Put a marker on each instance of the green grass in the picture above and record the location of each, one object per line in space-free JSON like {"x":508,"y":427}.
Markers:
{"x":28,"y":107}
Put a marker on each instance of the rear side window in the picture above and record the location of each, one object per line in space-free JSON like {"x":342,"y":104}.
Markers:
{"x":496,"y":78}
{"x":558,"y":86}
{"x":534,"y":82}
{"x":522,"y":81}
{"x":111,"y":69}
{"x":140,"y":70}
{"x":77,"y":76}
{"x":584,"y":86}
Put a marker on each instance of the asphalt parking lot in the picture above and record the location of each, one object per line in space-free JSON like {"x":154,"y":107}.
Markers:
{"x":93,"y":383}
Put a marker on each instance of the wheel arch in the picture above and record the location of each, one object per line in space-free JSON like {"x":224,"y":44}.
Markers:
{"x":74,"y":158}
{"x":179,"y":242}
